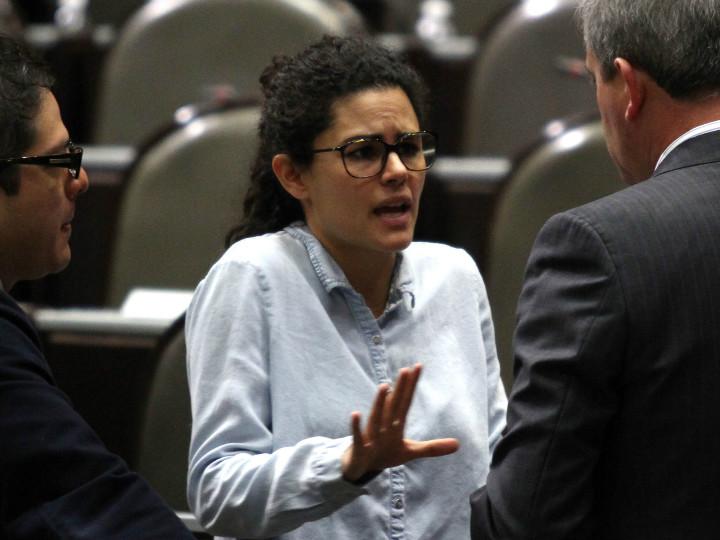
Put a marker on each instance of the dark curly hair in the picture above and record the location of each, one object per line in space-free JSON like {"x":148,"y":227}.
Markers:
{"x":299,"y":92}
{"x":22,"y":75}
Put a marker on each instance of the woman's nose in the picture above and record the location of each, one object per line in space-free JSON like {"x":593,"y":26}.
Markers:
{"x":395,"y":169}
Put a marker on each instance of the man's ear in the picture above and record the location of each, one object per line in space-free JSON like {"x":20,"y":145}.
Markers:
{"x":635,"y":87}
{"x":289,"y":176}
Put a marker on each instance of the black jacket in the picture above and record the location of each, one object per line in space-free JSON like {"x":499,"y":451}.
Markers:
{"x":57,"y":479}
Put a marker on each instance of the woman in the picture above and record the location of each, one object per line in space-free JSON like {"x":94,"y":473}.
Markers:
{"x":319,"y":304}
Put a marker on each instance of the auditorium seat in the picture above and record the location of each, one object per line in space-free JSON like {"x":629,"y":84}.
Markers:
{"x":568,"y":168}
{"x":469,"y":17}
{"x":112,"y":12}
{"x":530,"y":70}
{"x":165,"y":433}
{"x":182,"y":195}
{"x":10,"y":22}
{"x":173,"y":53}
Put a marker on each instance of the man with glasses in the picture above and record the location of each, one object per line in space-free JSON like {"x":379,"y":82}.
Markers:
{"x":57,"y":480}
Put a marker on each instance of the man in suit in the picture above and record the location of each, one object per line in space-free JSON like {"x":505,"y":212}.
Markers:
{"x":57,"y":480}
{"x":614,"y":419}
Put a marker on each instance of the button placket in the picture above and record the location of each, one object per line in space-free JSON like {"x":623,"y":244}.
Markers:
{"x":397,"y":503}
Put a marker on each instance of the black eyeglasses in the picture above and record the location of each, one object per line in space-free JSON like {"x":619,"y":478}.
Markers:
{"x":71,"y":160}
{"x":366,"y":156}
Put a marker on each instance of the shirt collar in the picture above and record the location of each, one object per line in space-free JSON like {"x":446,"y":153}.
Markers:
{"x":694,"y":132}
{"x":331,"y":276}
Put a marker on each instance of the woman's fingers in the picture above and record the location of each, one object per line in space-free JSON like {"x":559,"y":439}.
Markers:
{"x":403,"y":396}
{"x":352,"y":461}
{"x":381,"y":444}
{"x":431,"y":448}
{"x":377,"y":413}
{"x":357,"y":436}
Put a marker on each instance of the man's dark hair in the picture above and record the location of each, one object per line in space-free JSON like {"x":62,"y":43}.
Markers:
{"x":22,"y":76}
{"x":299,"y":93}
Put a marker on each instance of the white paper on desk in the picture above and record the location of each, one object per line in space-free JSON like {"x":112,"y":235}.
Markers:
{"x":146,"y":303}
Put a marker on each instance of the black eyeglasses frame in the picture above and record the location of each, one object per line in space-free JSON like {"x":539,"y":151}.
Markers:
{"x":70,"y":160}
{"x":388,"y":148}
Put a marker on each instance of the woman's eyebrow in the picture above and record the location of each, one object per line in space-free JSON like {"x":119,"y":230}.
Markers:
{"x":363,"y":136}
{"x":374,"y":136}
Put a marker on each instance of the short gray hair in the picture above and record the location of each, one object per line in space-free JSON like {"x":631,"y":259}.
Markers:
{"x":677,"y":42}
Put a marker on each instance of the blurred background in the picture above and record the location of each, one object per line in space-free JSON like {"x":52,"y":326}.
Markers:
{"x":130,"y":72}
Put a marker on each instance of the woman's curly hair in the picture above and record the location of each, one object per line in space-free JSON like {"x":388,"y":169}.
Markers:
{"x":299,"y":92}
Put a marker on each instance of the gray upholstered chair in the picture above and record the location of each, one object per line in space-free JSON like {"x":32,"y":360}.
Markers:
{"x":10,"y":22}
{"x":470,"y":17}
{"x":562,"y":172}
{"x":112,"y":12}
{"x":176,"y":52}
{"x":529,"y":72}
{"x":167,"y":426}
{"x":166,"y":429}
{"x":475,"y":17}
{"x":182,"y":195}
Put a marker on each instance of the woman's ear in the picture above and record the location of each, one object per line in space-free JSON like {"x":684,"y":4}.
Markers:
{"x":289,"y":176}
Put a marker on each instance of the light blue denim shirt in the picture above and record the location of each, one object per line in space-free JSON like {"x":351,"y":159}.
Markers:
{"x":281,"y":350}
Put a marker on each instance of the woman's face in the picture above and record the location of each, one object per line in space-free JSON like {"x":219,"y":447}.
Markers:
{"x":363,"y":219}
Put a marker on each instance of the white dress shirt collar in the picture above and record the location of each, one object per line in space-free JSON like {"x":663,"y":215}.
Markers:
{"x":694,"y":132}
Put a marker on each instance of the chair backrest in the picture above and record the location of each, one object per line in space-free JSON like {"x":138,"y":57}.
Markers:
{"x":563,"y":172}
{"x":474,"y":17}
{"x":529,"y":72}
{"x":165,"y":435}
{"x":113,"y":12}
{"x":182,"y":196}
{"x":175,"y":52}
{"x":469,"y":17}
{"x":10,"y":22}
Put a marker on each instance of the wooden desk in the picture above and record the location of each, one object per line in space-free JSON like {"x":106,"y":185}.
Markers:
{"x":105,"y":364}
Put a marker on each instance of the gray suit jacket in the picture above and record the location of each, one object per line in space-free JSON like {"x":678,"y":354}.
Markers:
{"x":614,"y":418}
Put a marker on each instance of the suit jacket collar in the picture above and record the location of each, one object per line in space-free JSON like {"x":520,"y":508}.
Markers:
{"x":696,"y":151}
{"x":11,"y":311}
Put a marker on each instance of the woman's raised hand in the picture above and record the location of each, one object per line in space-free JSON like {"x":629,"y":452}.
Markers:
{"x":382,"y":444}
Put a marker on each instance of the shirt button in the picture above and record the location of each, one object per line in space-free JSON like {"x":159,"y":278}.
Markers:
{"x":377,"y":340}
{"x":397,"y":502}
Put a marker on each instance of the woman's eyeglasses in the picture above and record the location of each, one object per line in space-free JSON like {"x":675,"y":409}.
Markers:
{"x":70,"y":160}
{"x":366,"y":156}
